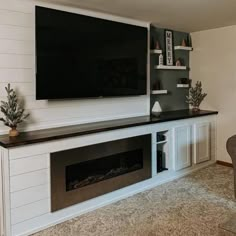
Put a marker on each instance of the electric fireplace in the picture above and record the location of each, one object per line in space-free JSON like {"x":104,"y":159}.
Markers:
{"x":87,"y":172}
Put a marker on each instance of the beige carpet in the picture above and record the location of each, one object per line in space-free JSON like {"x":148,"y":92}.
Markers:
{"x":193,"y":205}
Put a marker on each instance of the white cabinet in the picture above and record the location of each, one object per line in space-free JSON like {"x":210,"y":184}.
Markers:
{"x":182,"y":147}
{"x":191,"y":142}
{"x":202,"y":142}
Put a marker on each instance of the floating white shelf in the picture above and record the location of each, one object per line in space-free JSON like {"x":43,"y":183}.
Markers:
{"x":164,"y":67}
{"x":159,"y":91}
{"x":182,"y":85}
{"x":162,"y":142}
{"x":183,"y":48}
{"x":156,"y":51}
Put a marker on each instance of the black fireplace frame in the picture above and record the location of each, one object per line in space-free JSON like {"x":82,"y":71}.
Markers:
{"x":60,"y":198}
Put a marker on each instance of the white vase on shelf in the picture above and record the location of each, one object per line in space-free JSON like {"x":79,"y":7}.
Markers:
{"x":156,"y":109}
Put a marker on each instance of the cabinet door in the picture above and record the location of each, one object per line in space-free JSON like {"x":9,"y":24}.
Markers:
{"x":202,"y":142}
{"x":182,"y":147}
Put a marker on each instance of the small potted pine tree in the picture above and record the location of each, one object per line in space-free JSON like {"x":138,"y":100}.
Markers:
{"x":196,"y":96}
{"x":13,"y":111}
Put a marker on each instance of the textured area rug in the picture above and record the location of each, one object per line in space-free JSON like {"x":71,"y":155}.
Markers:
{"x":193,"y":205}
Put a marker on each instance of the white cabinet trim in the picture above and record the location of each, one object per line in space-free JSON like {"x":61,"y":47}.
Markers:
{"x":178,"y":165}
{"x":197,"y":152}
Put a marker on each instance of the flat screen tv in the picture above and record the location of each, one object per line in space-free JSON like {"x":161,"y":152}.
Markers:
{"x":80,"y":56}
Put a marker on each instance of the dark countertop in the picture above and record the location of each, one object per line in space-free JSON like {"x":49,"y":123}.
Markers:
{"x":77,"y":130}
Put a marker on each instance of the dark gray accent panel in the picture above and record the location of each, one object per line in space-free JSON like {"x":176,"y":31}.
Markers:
{"x":168,"y":79}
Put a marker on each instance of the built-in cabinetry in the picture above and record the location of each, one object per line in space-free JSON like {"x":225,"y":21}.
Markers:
{"x":202,"y":142}
{"x":191,"y":144}
{"x":182,"y":142}
{"x":178,"y":147}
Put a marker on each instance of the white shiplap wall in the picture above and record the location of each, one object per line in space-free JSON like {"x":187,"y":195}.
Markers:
{"x":17,"y":66}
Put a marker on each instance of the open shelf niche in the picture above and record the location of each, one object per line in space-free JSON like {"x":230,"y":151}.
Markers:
{"x":168,"y":93}
{"x":162,"y":151}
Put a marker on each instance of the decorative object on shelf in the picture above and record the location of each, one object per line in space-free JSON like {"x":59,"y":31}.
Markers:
{"x":184,"y":44}
{"x":178,"y":62}
{"x":189,"y":41}
{"x":184,"y":81}
{"x":169,"y":47}
{"x":156,"y":109}
{"x":157,"y":88}
{"x":196,"y":96}
{"x":156,"y":85}
{"x":152,"y":44}
{"x":161,"y":62}
{"x":157,"y":45}
{"x":13,"y":111}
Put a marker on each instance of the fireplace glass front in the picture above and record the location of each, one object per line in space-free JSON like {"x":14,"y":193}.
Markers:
{"x":90,"y":172}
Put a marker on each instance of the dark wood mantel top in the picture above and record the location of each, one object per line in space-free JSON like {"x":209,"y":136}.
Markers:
{"x":77,"y":130}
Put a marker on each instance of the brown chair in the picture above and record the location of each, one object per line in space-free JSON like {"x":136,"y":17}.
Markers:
{"x":231,"y":149}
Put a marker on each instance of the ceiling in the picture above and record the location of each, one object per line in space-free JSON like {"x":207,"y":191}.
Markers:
{"x":182,"y":15}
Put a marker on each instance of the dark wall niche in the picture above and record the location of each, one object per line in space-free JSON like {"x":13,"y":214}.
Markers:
{"x":168,"y":79}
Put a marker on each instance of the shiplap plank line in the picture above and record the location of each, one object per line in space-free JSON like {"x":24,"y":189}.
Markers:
{"x":22,"y":89}
{"x":16,"y":47}
{"x":16,"y":18}
{"x":30,"y":211}
{"x":83,"y":111}
{"x":16,"y":61}
{"x":29,"y":164}
{"x":24,"y":181}
{"x":30,"y":195}
{"x":21,"y":6}
{"x":16,"y":75}
{"x":79,"y":110}
{"x":31,"y":124}
{"x":30,"y":102}
{"x":16,"y":33}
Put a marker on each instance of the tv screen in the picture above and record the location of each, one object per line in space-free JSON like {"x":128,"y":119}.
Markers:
{"x":80,"y":56}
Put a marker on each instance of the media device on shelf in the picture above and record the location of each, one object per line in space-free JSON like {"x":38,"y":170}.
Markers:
{"x":80,"y":56}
